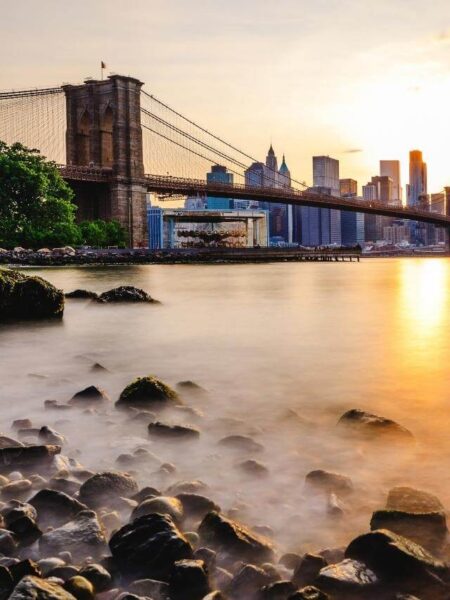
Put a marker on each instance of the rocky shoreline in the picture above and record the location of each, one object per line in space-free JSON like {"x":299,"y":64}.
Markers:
{"x":134,"y":530}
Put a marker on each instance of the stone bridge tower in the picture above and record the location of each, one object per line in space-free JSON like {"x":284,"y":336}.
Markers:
{"x":104,"y":131}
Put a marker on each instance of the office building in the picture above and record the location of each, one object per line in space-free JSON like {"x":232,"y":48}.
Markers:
{"x":219,"y":174}
{"x":348,"y":188}
{"x":417,"y":177}
{"x":391,"y":168}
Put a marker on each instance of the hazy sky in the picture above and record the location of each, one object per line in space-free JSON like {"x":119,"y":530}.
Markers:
{"x":359,"y":80}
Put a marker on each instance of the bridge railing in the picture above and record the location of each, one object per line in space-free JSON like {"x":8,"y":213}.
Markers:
{"x":87,"y":173}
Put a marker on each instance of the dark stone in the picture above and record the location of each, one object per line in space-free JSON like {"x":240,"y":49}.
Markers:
{"x":308,"y":569}
{"x":7,"y":442}
{"x":146,"y":392}
{"x":47,"y":435}
{"x":125,"y":293}
{"x":64,"y":572}
{"x":25,"y":530}
{"x":90,"y":395}
{"x":81,"y":294}
{"x":148,"y":547}
{"x":187,"y":487}
{"x":253,"y":468}
{"x":164,"y":505}
{"x":412,"y":500}
{"x":16,"y":510}
{"x":208,"y":556}
{"x":188,"y":580}
{"x":196,"y":505}
{"x":290,"y":560}
{"x":7,"y":543}
{"x":23,"y":297}
{"x":241,"y":443}
{"x":190,"y":386}
{"x":428,"y":529}
{"x":64,"y":485}
{"x":247,"y":582}
{"x":83,"y":536}
{"x":98,"y":576}
{"x":6,"y":582}
{"x":327,"y":482}
{"x":231,"y":537}
{"x":146,"y":492}
{"x":348,"y":576}
{"x":80,"y":587}
{"x":21,"y":424}
{"x":373,"y":426}
{"x":172,"y":432}
{"x":35,"y":588}
{"x":24,"y":568}
{"x":26,"y":458}
{"x":278,"y":590}
{"x":106,"y":488}
{"x":150,"y":588}
{"x":55,"y":508}
{"x":309,"y":593}
{"x":100,"y":368}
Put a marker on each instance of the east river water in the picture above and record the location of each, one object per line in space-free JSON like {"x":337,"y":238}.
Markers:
{"x":282,"y":350}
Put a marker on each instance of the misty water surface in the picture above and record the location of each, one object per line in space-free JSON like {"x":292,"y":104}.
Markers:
{"x":282,"y":350}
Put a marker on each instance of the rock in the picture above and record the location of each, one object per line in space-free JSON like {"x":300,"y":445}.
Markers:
{"x":23,"y":568}
{"x":21,"y":424}
{"x":7,"y":543}
{"x":372,"y":426}
{"x":253,"y":468}
{"x":196,"y":505}
{"x":125,"y":293}
{"x":98,"y":576}
{"x":309,"y":593}
{"x":55,"y":508}
{"x":35,"y":588}
{"x":231,"y":537}
{"x":23,"y":297}
{"x":7,"y":442}
{"x":145,"y":493}
{"x":79,"y":293}
{"x":16,"y":510}
{"x":25,"y":530}
{"x":47,"y":565}
{"x":428,"y":529}
{"x":326,"y":482}
{"x":241,"y":443}
{"x":83,"y":536}
{"x":34,"y":458}
{"x":80,"y":587}
{"x":187,"y":487}
{"x":50,"y":436}
{"x":146,"y":392}
{"x":208,"y":556}
{"x":412,"y":500}
{"x":190,"y":386}
{"x":247,"y":582}
{"x":64,"y":572}
{"x":307,"y":570}
{"x":393,"y":556}
{"x":348,"y":576}
{"x":90,"y":395}
{"x":172,"y":432}
{"x":164,"y":505}
{"x":278,"y":590}
{"x":100,"y":368}
{"x":16,"y":489}
{"x":148,"y":547}
{"x":290,"y":560}
{"x":216,"y":595}
{"x":188,"y":580}
{"x":106,"y":488}
{"x":6,"y":583}
{"x":62,"y":484}
{"x":150,"y":588}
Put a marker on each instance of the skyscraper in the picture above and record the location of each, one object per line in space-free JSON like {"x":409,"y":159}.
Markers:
{"x":219,"y":174}
{"x":391,"y":168}
{"x":348,"y":188}
{"x":417,"y":177}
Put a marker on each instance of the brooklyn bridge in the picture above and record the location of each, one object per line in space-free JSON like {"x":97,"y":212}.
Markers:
{"x":114,"y":143}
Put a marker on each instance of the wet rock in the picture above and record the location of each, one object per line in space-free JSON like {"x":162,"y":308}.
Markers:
{"x":334,"y":508}
{"x":16,"y":489}
{"x":23,"y":297}
{"x":80,"y":293}
{"x":21,"y":424}
{"x":145,"y":493}
{"x":196,"y":505}
{"x":7,"y":543}
{"x":28,"y":434}
{"x":23,"y":568}
{"x":98,"y":576}
{"x":35,"y":588}
{"x":278,"y":590}
{"x":187,"y":487}
{"x":83,"y":536}
{"x":8,"y":442}
{"x":188,"y":580}
{"x":28,"y":458}
{"x":216,"y":595}
{"x":164,"y":505}
{"x":253,"y":468}
{"x":290,"y":560}
{"x":208,"y":556}
{"x":394,"y":557}
{"x":47,"y":435}
{"x":55,"y":508}
{"x":147,"y":392}
{"x":373,"y":426}
{"x":97,"y":367}
{"x":172,"y":432}
{"x":148,"y":547}
{"x":15,"y":509}
{"x":428,"y":529}
{"x":241,"y":443}
{"x":348,"y":576}
{"x":247,"y":582}
{"x":126,"y":293}
{"x":307,"y":570}
{"x":150,"y":588}
{"x":325,"y":482}
{"x":229,"y":536}
{"x":80,"y":587}
{"x":25,"y":530}
{"x":6,"y":583}
{"x":54,"y":405}
{"x":48,"y":564}
{"x":106,"y":488}
{"x":309,"y":593}
{"x":90,"y":395}
{"x":65,"y":485}
{"x":410,"y":499}
{"x":64,"y":572}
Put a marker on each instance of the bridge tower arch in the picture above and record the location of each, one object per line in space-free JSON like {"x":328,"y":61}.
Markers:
{"x":103,"y":130}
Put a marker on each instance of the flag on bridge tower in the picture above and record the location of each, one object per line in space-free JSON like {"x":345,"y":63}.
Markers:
{"x":102,"y":66}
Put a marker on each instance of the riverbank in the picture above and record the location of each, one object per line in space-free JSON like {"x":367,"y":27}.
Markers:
{"x":191,"y":256}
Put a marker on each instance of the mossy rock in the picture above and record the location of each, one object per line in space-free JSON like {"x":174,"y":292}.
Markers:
{"x":146,"y":391}
{"x":23,"y":297}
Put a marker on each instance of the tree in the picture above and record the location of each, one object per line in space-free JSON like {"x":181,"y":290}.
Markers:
{"x":36,"y":206}
{"x":102,"y":233}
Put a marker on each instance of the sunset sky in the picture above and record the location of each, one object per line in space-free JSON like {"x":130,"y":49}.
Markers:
{"x":355,"y":79}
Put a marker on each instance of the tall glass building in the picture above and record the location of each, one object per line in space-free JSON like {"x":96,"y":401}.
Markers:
{"x":219,"y":174}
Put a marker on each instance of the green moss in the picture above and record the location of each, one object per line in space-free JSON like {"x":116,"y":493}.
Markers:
{"x":146,"y":390}
{"x":23,"y":297}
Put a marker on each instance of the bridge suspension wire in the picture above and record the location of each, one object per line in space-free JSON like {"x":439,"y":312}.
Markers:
{"x":35,"y":118}
{"x":216,"y":137}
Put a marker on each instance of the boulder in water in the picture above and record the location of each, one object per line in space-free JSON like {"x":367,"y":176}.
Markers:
{"x":106,"y":488}
{"x":35,"y":588}
{"x":55,"y":508}
{"x":125,"y":293}
{"x":188,"y":580}
{"x":146,"y":392}
{"x":172,"y":432}
{"x":326,"y":482}
{"x":81,"y":294}
{"x":23,"y":297}
{"x":90,"y":395}
{"x":164,"y":505}
{"x":373,"y":426}
{"x":26,"y":458}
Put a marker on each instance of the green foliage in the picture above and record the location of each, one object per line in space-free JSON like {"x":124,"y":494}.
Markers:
{"x":36,"y":207}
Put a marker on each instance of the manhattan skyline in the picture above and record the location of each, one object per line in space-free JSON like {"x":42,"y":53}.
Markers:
{"x":353,"y":82}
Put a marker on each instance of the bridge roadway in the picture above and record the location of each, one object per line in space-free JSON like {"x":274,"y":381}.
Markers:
{"x":169,"y":186}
